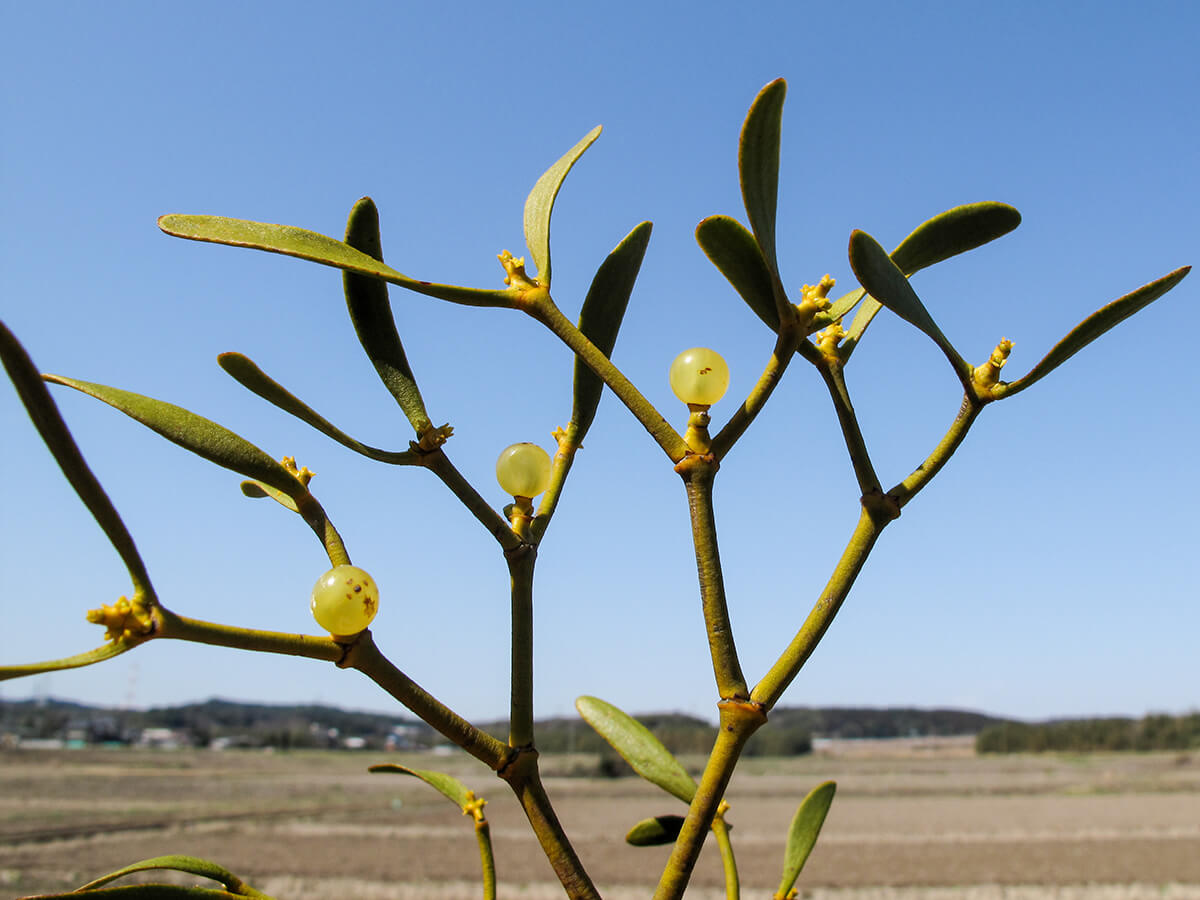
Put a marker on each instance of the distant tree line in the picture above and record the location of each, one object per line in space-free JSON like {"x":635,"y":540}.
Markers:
{"x":1155,"y":732}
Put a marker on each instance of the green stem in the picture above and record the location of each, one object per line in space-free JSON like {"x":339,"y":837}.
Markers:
{"x":564,"y":456}
{"x":652,"y":420}
{"x":698,"y":473}
{"x":520,"y":719}
{"x":739,"y":720}
{"x":522,"y":776}
{"x":438,"y":463}
{"x":870,"y":523}
{"x":785,"y":349}
{"x":921,"y":476}
{"x":175,"y":627}
{"x":728,"y":863}
{"x":860,"y":459}
{"x":487,"y":861}
{"x":364,"y":656}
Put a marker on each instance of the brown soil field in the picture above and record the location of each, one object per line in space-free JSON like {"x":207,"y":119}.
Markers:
{"x":915,"y":819}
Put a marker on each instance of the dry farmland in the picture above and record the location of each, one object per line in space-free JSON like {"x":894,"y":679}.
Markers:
{"x":911,"y":820}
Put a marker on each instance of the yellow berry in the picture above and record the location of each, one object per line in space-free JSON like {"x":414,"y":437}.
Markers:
{"x":523,"y":470}
{"x":699,"y":376}
{"x":345,"y":600}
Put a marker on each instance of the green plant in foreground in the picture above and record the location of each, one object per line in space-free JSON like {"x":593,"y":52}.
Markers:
{"x":815,"y":328}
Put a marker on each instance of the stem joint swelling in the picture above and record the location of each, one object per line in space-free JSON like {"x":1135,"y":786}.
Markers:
{"x":881,"y":507}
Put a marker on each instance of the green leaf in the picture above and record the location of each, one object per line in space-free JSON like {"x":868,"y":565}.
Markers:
{"x":802,"y":836}
{"x":737,"y":256}
{"x":600,"y":319}
{"x":655,"y":832}
{"x":250,"y":376}
{"x":108,"y":651}
{"x":540,"y":204}
{"x":192,"y":432}
{"x":449,"y":787}
{"x":1094,"y":326}
{"x":884,"y":281}
{"x":947,"y":234}
{"x":638,"y":747}
{"x":50,"y":425}
{"x":371,"y":315}
{"x":953,"y":232}
{"x":758,"y":166}
{"x":316,"y":248}
{"x":190,"y":864}
{"x":147,"y":892}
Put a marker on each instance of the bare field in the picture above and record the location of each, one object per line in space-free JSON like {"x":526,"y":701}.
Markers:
{"x":911,"y":820}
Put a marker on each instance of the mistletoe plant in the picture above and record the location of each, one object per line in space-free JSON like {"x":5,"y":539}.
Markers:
{"x":823,"y":331}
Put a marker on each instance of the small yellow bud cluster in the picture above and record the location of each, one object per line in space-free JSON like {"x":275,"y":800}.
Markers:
{"x":514,"y":271}
{"x":987,"y":376}
{"x":432,"y":438}
{"x":814,"y":298}
{"x":123,"y":620}
{"x":473,"y":806}
{"x":304,"y":476}
{"x":827,"y":341}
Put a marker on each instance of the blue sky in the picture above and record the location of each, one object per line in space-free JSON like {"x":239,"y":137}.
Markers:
{"x":1049,"y":570}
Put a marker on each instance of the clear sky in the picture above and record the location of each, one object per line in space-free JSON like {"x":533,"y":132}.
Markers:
{"x":1051,"y":569}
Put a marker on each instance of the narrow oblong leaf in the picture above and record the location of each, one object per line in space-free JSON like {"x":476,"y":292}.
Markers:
{"x":947,"y":234}
{"x":314,"y":247}
{"x":655,"y":832}
{"x":108,"y":651}
{"x":446,"y":785}
{"x":758,"y":165}
{"x":148,"y":892}
{"x":1095,"y":325}
{"x":50,"y":425}
{"x":953,"y":232}
{"x":250,"y":376}
{"x":737,"y":256}
{"x":884,"y":281}
{"x":192,"y":865}
{"x":802,"y":835}
{"x":638,"y":747}
{"x":600,"y":319}
{"x":203,"y":437}
{"x":371,"y":314}
{"x":540,"y":204}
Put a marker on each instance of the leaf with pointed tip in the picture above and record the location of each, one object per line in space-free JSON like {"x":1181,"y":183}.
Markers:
{"x":638,"y":747}
{"x":947,"y":234}
{"x":371,"y":315}
{"x":885,"y":282}
{"x":192,"y":865}
{"x":251,"y":377}
{"x":108,"y":651}
{"x":148,"y":892}
{"x":1095,"y":325}
{"x":600,"y":319}
{"x":540,"y":204}
{"x":655,"y":832}
{"x":737,"y":256}
{"x":203,"y":437}
{"x":256,"y":490}
{"x":449,"y":787}
{"x":318,"y":248}
{"x":802,"y":836}
{"x":758,"y":166}
{"x":50,"y":425}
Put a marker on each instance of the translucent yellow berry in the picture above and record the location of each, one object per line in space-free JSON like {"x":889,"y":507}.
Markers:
{"x":345,"y":600}
{"x":699,"y":376}
{"x":523,"y":470}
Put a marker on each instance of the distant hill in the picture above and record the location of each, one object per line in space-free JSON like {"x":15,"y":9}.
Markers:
{"x":790,"y":731}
